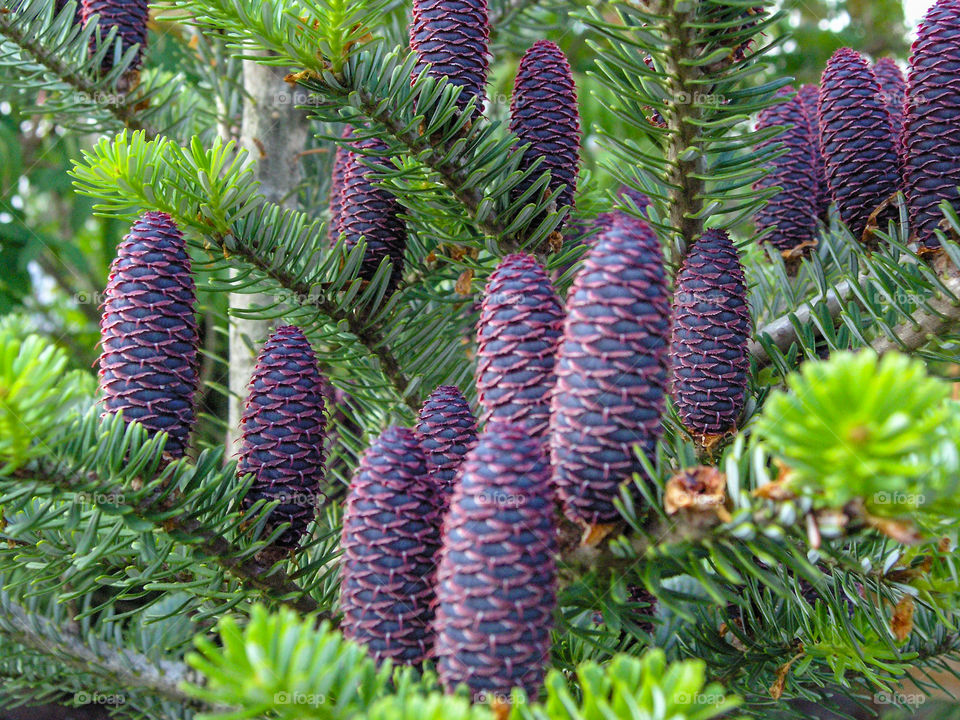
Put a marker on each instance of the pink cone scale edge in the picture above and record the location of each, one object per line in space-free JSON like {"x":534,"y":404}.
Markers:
{"x":611,"y":371}
{"x":148,"y":332}
{"x":448,"y":431}
{"x":497,"y":576}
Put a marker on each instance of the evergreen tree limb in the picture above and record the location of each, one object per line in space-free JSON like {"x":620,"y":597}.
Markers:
{"x":252,"y":572}
{"x":121,"y":667}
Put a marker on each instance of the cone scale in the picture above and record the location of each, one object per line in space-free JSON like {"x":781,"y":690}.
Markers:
{"x":448,"y":431}
{"x":128,"y":16}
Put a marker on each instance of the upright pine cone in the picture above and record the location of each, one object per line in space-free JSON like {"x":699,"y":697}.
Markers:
{"x":282,"y":432}
{"x":932,"y":123}
{"x":148,"y":332}
{"x":448,"y":431}
{"x":128,"y":16}
{"x":809,"y":95}
{"x":517,"y":335}
{"x":391,"y":537}
{"x":340,"y":162}
{"x":792,"y":212}
{"x":451,"y":36}
{"x":496,"y":581}
{"x":711,"y":328}
{"x":544,"y":112}
{"x":372,"y":212}
{"x":893,"y":90}
{"x":857,"y":140}
{"x":611,"y":370}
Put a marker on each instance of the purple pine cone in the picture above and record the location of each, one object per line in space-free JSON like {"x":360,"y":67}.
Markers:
{"x":59,"y":5}
{"x":932,"y":123}
{"x":857,"y":139}
{"x":372,"y":212}
{"x":517,"y":335}
{"x":497,"y":576}
{"x":792,"y":212}
{"x":711,"y":328}
{"x":809,"y":95}
{"x":148,"y":332}
{"x":340,"y":162}
{"x":893,"y":90}
{"x":282,"y":430}
{"x":391,"y":539}
{"x":611,"y":370}
{"x":544,"y":113}
{"x":128,"y":16}
{"x":451,"y":36}
{"x":448,"y":431}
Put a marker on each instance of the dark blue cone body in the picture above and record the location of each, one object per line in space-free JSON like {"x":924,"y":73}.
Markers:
{"x":517,"y":334}
{"x":711,"y":329}
{"x":128,"y":16}
{"x":391,"y":537}
{"x":371,"y":212}
{"x":545,"y":113}
{"x":792,"y":212}
{"x":857,"y":140}
{"x":497,"y":575}
{"x":611,"y":371}
{"x":932,"y":123}
{"x":893,"y":90}
{"x":448,"y":431}
{"x":148,"y":332}
{"x":810,"y":99}
{"x":282,"y":432}
{"x":340,"y":162}
{"x":451,"y":36}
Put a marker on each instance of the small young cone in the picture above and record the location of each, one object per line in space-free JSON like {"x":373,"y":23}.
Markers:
{"x":282,"y":432}
{"x":517,"y":335}
{"x":932,"y":123}
{"x":857,"y":140}
{"x":448,"y":431}
{"x":391,"y":537}
{"x":496,"y":582}
{"x":148,"y":332}
{"x":611,"y":371}
{"x":711,"y":329}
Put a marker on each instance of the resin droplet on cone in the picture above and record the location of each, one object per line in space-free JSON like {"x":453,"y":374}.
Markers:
{"x":373,"y":213}
{"x":517,"y":334}
{"x":792,"y":212}
{"x":711,"y":329}
{"x":857,"y":141}
{"x":545,"y":113}
{"x":932,"y":122}
{"x":128,"y":16}
{"x":391,"y":537}
{"x":448,"y":431}
{"x":282,"y":432}
{"x":451,"y":36}
{"x":496,"y":582}
{"x":148,"y":332}
{"x":611,"y":371}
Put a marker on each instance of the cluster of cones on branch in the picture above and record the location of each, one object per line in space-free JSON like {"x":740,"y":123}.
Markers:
{"x":865,"y":134}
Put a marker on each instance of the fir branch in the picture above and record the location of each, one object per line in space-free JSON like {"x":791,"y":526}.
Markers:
{"x":254,"y":573}
{"x":941,"y":315}
{"x":123,"y":668}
